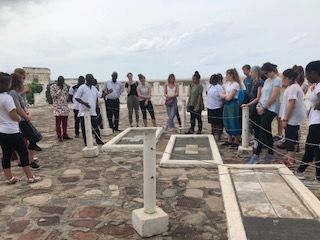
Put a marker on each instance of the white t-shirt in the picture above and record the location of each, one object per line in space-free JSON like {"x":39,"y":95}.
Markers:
{"x":266,"y":92}
{"x":229,"y":87}
{"x":294,"y":92}
{"x":7,"y":125}
{"x":314,"y":115}
{"x":90,"y":96}
{"x":214,"y":100}
{"x":76,"y":104}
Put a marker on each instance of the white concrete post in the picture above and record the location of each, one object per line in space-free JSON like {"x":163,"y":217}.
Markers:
{"x":150,"y":220}
{"x":149,"y":172}
{"x":156,"y":88}
{"x":183,"y":113}
{"x":106,"y":131}
{"x":88,"y":126}
{"x":245,"y":130}
{"x":89,"y":150}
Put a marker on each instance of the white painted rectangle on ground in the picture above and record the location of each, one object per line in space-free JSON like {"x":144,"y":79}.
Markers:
{"x":191,"y":151}
{"x":130,"y":139}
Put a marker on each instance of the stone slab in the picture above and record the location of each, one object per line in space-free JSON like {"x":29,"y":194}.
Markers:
{"x":264,"y":192}
{"x":130,"y":139}
{"x":191,"y":151}
{"x":281,"y":229}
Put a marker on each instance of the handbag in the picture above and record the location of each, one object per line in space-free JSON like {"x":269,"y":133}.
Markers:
{"x":30,"y":132}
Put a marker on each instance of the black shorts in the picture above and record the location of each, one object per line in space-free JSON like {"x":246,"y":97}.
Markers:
{"x":292,"y":136}
{"x":215,"y":116}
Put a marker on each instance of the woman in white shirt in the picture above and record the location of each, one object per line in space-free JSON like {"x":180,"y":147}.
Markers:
{"x":215,"y":105}
{"x":171,"y":92}
{"x":144,"y":94}
{"x":231,"y":108}
{"x":312,"y":149}
{"x":292,"y":113}
{"x":10,"y":137}
{"x":268,"y":108}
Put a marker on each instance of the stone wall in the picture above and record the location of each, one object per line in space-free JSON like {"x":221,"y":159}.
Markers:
{"x":41,"y":74}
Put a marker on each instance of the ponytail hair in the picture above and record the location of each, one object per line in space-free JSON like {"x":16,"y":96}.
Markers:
{"x":291,"y":74}
{"x":197,"y":75}
{"x":300,"y":72}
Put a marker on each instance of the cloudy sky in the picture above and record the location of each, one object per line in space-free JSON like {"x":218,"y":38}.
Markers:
{"x":156,"y":37}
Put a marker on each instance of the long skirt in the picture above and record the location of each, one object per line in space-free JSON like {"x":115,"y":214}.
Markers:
{"x":231,"y":117}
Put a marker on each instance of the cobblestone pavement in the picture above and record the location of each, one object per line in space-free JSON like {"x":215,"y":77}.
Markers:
{"x":88,"y":199}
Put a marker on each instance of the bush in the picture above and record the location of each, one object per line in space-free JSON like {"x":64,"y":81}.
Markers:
{"x":34,"y":87}
{"x":48,"y":95}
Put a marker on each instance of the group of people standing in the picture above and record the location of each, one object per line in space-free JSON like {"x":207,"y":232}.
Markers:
{"x":262,"y":91}
{"x":18,"y":137}
{"x":267,"y":97}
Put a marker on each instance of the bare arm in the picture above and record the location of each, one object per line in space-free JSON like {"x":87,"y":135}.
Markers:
{"x":21,"y":112}
{"x":128,"y":88}
{"x":14,"y":115}
{"x":231,"y":95}
{"x":289,"y":109}
{"x":82,"y":102}
{"x":165,"y":91}
{"x":256,"y":100}
{"x":274,"y":95}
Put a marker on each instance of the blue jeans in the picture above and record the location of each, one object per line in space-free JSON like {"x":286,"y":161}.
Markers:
{"x":171,"y":111}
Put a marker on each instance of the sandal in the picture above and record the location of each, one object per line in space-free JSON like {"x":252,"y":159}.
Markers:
{"x":12,"y":181}
{"x":34,"y":179}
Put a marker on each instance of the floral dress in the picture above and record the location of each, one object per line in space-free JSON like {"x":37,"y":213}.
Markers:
{"x":60,"y":100}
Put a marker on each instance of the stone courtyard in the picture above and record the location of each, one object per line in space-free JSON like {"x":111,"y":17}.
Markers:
{"x":93,"y":198}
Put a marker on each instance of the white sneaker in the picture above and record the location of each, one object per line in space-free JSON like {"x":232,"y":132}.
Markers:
{"x":312,"y":183}
{"x":299,"y":175}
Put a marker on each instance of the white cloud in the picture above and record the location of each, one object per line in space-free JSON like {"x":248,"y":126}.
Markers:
{"x":156,"y":37}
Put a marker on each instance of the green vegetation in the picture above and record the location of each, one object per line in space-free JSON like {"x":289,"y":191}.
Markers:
{"x":34,"y":87}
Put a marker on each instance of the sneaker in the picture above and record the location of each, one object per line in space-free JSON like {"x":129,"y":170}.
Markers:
{"x":299,"y":175}
{"x":312,"y":183}
{"x":253,"y":159}
{"x":77,"y":135}
{"x":117,"y":130}
{"x":35,"y":166}
{"x":277,"y":138}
